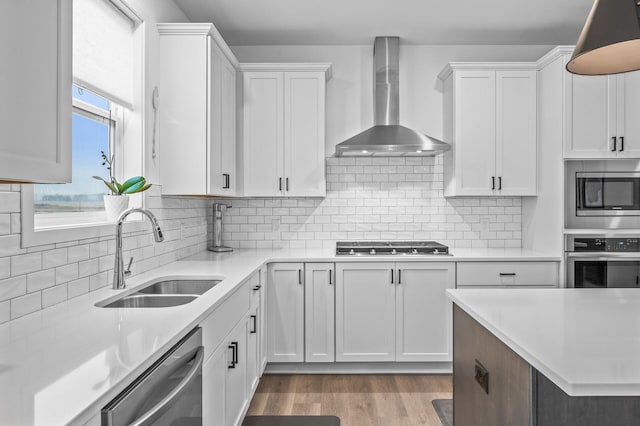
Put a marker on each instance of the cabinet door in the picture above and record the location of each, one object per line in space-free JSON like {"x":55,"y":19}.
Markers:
{"x":228,"y":128}
{"x":35,"y":83}
{"x":593,"y":120}
{"x":365,"y":311}
{"x":263,"y":141}
{"x":475,"y":132}
{"x":319,"y":312}
{"x":222,"y":128}
{"x":214,"y":388}
{"x":186,"y":114}
{"x":516,"y":132}
{"x":285,"y":312}
{"x":262,"y":333}
{"x":236,"y":395}
{"x":304,"y":134}
{"x":253,"y":375}
{"x":423,"y":312}
{"x":628,"y":93}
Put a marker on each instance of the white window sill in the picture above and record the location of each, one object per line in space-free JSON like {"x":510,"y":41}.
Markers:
{"x":51,"y":228}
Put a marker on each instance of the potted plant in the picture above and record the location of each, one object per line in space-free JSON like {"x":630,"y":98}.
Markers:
{"x":117,"y":202}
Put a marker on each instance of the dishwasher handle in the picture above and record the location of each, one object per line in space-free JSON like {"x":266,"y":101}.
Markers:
{"x":150,"y":416}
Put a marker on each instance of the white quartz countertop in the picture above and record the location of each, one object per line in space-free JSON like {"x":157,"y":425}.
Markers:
{"x":62,"y":364}
{"x":586,"y":341}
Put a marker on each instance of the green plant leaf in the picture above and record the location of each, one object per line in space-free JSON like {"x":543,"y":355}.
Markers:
{"x":119,"y":186}
{"x":133,"y":188}
{"x":132,"y":181}
{"x":143,"y":188}
{"x":112,"y":188}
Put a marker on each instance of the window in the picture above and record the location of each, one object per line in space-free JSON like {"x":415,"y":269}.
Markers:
{"x":95,"y":121}
{"x":107,"y":88}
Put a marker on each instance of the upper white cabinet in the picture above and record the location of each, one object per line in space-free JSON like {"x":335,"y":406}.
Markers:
{"x":603,"y":116}
{"x":490,"y":119}
{"x":35,"y":83}
{"x":197,"y":114}
{"x":283,"y":143}
{"x":285,"y":312}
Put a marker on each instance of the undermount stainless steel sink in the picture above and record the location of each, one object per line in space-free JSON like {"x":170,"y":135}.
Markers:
{"x":137,"y":300}
{"x":163,"y":294}
{"x":180,"y":287}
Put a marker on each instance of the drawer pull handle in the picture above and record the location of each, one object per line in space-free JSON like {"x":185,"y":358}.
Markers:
{"x":507,"y":274}
{"x":482,"y":376}
{"x":255,"y":325}
{"x":258,"y":287}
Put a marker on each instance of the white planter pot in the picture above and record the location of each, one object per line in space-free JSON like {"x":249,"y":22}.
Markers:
{"x":114,"y":205}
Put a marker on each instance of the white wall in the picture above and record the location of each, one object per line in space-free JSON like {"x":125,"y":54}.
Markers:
{"x":350,"y":92}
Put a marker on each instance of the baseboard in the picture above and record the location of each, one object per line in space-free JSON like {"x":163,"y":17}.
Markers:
{"x":360,"y":368}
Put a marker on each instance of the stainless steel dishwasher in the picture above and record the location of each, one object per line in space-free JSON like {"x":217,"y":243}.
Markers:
{"x":167,"y":393}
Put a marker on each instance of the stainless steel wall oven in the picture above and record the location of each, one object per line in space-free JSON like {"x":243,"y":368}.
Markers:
{"x":599,"y":261}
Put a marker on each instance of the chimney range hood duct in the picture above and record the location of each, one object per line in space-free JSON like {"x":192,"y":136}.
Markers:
{"x":387,"y":137}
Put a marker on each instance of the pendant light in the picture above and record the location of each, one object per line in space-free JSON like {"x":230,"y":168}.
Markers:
{"x":610,"y":40}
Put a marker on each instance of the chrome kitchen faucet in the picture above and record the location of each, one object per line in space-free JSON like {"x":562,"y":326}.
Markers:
{"x":119,"y":273}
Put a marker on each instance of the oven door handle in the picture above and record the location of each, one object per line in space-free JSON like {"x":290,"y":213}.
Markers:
{"x":603,"y":256}
{"x":150,"y":416}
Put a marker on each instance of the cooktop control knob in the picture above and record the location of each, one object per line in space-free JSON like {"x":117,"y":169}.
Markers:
{"x":435,"y":251}
{"x":415,"y":251}
{"x":373,"y":251}
{"x":352,"y":251}
{"x":394,"y":251}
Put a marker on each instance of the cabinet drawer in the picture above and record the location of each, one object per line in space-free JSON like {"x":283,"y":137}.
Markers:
{"x":222,"y":320}
{"x":507,"y":274}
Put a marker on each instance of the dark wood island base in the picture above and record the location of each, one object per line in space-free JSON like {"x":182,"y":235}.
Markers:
{"x":493,"y":386}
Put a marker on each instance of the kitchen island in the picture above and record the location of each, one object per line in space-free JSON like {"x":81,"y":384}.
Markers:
{"x":546,"y":357}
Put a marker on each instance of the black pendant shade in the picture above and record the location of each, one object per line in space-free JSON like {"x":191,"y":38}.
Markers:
{"x":610,"y":40}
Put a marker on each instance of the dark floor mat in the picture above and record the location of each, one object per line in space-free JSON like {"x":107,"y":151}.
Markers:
{"x":444,"y":408}
{"x":291,"y":421}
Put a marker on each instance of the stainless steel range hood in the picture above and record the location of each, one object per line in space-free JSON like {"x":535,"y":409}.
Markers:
{"x":387,"y":137}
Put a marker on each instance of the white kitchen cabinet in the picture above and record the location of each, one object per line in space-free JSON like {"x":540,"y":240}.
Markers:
{"x":285,"y":312}
{"x":319,"y":313}
{"x":224,"y":379}
{"x":393,"y":311}
{"x":507,"y":274}
{"x":35,"y":82}
{"x":283,"y":143}
{"x":237,"y":399}
{"x":365,"y":311}
{"x":197,"y":114}
{"x":253,"y":341}
{"x":214,"y":387}
{"x":262,"y":320}
{"x":490,"y":119}
{"x":603,"y":116}
{"x":423,"y":311}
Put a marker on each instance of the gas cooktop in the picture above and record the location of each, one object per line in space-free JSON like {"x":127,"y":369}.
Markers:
{"x":390,"y":248}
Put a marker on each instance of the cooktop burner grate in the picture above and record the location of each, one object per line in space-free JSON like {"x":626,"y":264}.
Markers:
{"x":390,"y":248}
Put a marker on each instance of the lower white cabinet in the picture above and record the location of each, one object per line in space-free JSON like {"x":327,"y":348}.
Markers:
{"x":423,"y":312}
{"x":365,"y":312}
{"x":507,"y":274}
{"x":224,"y":381}
{"x":319,"y":313}
{"x":389,"y":311}
{"x":262,"y":323}
{"x":253,"y":355}
{"x":285,"y":312}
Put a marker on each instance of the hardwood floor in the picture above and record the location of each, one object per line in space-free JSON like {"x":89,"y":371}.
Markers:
{"x":359,"y":400}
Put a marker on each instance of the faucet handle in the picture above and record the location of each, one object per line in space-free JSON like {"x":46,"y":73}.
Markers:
{"x":127,"y":271}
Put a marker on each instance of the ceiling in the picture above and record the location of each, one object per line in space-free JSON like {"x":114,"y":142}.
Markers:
{"x":318,"y":22}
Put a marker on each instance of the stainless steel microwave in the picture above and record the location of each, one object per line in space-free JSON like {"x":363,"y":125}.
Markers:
{"x":603,"y":194}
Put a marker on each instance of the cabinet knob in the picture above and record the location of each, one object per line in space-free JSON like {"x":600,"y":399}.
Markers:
{"x":482,"y":376}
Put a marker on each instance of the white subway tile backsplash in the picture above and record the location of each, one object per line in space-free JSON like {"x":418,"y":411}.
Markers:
{"x":378,"y":199}
{"x":23,"y":305}
{"x":41,"y":276}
